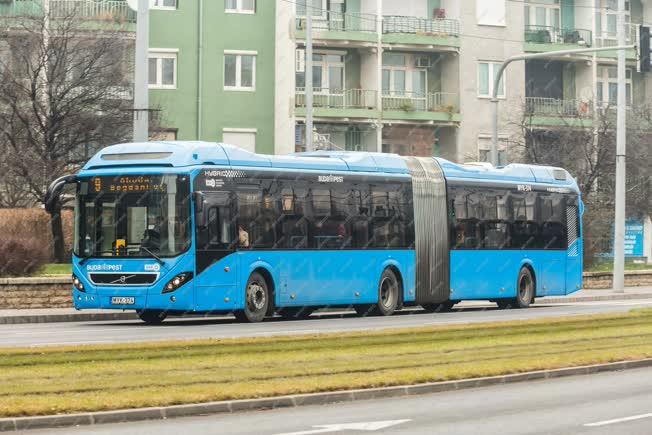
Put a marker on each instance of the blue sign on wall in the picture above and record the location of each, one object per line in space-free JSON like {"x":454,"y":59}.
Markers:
{"x":634,"y":238}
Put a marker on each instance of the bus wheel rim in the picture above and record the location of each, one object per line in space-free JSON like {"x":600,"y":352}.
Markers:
{"x":386,"y":292}
{"x":256,"y":297}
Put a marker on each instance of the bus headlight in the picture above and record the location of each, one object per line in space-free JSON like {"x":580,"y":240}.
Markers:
{"x":77,"y":283}
{"x":177,"y":282}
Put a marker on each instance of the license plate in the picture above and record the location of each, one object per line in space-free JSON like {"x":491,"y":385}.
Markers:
{"x":120,"y":300}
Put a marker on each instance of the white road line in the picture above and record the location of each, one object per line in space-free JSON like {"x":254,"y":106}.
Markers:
{"x":619,"y":420}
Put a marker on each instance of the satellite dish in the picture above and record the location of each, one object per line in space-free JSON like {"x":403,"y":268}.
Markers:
{"x":133,"y":4}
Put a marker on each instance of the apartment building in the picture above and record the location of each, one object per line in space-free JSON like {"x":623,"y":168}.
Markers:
{"x":405,"y":76}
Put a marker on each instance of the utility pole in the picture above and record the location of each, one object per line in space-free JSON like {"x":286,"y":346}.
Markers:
{"x":621,"y":145}
{"x":308,"y":76}
{"x":141,"y":82}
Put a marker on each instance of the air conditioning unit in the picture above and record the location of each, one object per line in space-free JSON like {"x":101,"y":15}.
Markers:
{"x":439,"y":13}
{"x":424,"y":62}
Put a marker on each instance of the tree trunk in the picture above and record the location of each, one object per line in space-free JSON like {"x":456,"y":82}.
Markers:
{"x":56,"y":227}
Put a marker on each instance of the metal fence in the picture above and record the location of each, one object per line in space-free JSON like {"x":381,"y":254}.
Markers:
{"x":558,"y":107}
{"x":554,"y":35}
{"x":339,"y":22}
{"x":109,"y":10}
{"x":338,"y":98}
{"x":405,"y":24}
{"x":415,"y":101}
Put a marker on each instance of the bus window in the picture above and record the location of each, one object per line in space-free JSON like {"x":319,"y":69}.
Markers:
{"x":551,"y":221}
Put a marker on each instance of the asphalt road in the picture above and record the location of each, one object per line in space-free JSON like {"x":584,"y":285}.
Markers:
{"x":606,"y":403}
{"x":76,"y":333}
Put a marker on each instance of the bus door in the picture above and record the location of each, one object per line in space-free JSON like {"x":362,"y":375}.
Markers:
{"x":215,"y":266}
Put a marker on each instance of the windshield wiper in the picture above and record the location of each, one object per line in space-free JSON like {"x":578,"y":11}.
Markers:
{"x":156,"y":257}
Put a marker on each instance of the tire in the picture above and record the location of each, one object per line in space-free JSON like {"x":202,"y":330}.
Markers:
{"x":152,"y":317}
{"x":257,"y":300}
{"x":439,"y":308}
{"x":388,"y":294}
{"x":364,"y":310}
{"x":525,"y":291}
{"x":296,"y":313}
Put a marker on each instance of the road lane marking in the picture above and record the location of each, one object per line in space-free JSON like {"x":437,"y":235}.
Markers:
{"x":619,"y":420}
{"x":369,"y":426}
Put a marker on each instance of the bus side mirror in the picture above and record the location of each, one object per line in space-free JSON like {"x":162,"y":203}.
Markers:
{"x":54,"y":191}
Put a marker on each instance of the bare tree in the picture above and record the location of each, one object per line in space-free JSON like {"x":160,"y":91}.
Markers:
{"x":584,"y":143}
{"x":64,"y":92}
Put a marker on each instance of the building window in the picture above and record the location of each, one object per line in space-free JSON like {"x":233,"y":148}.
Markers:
{"x":491,"y":12}
{"x":163,"y":69}
{"x":484,"y":150}
{"x":542,"y":16}
{"x":319,"y":8}
{"x":244,"y":138}
{"x":240,"y":71}
{"x":400,"y":79}
{"x":606,"y":20}
{"x":164,"y":4}
{"x":327,"y":73}
{"x":607,"y":85}
{"x":487,"y":72}
{"x":240,"y":6}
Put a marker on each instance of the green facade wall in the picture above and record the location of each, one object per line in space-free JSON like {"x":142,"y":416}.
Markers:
{"x":220,"y":109}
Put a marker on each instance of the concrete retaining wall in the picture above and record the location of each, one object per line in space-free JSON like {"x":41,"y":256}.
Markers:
{"x":55,"y":292}
{"x":51,"y":292}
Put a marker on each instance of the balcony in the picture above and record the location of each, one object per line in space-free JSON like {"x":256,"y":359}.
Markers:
{"x":547,"y":38}
{"x":412,"y":106}
{"x":338,"y":103}
{"x":552,"y":111}
{"x":420,"y":31}
{"x":114,"y":11}
{"x":338,"y":26}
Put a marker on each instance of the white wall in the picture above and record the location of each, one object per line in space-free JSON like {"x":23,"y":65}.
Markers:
{"x":284,"y":83}
{"x":413,"y":8}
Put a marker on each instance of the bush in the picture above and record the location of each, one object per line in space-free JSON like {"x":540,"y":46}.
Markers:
{"x":22,"y":256}
{"x":25,"y":223}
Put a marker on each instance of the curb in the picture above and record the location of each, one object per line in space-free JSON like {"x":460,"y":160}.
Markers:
{"x":598,"y":298}
{"x":293,"y":401}
{"x":74,"y":317}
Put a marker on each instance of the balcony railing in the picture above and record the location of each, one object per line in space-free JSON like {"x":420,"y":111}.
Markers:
{"x":339,"y":22}
{"x":554,"y":35}
{"x":415,"y":101}
{"x":338,"y":98}
{"x":416,"y":25}
{"x":107,"y":10}
{"x":540,"y":106}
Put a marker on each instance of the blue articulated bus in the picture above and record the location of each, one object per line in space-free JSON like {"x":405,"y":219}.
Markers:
{"x":193,"y":227}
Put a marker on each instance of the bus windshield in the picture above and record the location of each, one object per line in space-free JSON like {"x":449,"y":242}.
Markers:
{"x":133,"y":216}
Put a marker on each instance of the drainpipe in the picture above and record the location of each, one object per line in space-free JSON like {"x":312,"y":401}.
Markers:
{"x":379,"y":75}
{"x":200,"y":66}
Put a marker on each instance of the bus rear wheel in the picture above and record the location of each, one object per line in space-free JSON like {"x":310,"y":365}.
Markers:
{"x":388,"y":294}
{"x":152,"y":317}
{"x":525,"y":291}
{"x":256,"y":301}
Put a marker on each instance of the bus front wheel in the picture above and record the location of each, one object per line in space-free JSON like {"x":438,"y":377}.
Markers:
{"x":256,"y":301}
{"x":152,"y":317}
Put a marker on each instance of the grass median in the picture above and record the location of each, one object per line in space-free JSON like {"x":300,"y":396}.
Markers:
{"x":94,"y":378}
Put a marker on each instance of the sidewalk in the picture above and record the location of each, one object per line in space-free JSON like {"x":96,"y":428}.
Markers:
{"x":51,"y":315}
